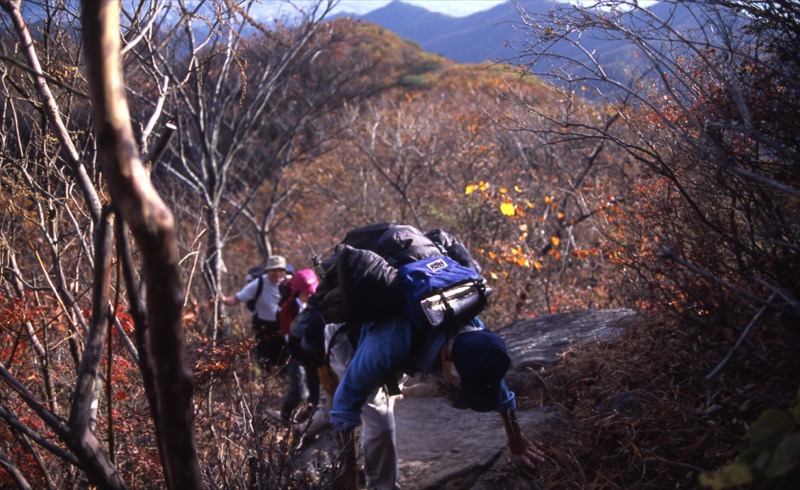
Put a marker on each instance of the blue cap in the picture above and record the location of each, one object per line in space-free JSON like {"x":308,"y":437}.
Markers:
{"x":481,"y":359}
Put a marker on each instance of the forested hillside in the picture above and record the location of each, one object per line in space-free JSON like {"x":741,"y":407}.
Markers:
{"x":147,"y":162}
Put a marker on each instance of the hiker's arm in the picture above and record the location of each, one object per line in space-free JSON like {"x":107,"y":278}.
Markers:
{"x":247,"y":292}
{"x":230,"y":300}
{"x":520,"y":447}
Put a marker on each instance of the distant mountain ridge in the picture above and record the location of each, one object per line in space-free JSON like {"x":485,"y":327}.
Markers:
{"x":483,"y":36}
{"x":472,"y":39}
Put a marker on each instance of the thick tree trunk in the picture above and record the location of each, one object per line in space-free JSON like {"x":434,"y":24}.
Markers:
{"x":152,"y":225}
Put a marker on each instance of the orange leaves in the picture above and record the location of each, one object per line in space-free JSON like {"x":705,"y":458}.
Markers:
{"x":519,"y":258}
{"x":584,"y":254}
{"x":218,"y":361}
{"x":523,"y":262}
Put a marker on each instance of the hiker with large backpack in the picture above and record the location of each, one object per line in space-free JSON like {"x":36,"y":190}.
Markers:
{"x":262,"y":296}
{"x":413,"y":299}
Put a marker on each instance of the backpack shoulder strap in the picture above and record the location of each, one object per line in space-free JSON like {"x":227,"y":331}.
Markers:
{"x":260,"y":287}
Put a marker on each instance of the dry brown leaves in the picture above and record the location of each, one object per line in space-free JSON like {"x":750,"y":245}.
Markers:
{"x":641,"y":414}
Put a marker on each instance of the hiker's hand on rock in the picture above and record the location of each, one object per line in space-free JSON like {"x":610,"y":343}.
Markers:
{"x":347,"y":475}
{"x":525,"y":452}
{"x":521,"y":450}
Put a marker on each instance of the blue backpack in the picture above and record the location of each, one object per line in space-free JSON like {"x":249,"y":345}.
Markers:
{"x":439,"y":292}
{"x":383,"y":269}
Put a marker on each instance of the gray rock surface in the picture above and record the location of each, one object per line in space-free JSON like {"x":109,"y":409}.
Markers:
{"x":442,"y":447}
{"x":542,"y":340}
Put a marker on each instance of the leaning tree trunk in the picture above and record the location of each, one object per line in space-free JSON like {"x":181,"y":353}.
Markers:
{"x":152,"y":225}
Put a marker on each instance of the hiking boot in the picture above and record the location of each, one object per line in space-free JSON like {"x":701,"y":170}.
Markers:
{"x":304,"y":413}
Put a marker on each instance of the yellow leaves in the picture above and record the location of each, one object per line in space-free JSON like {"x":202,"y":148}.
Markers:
{"x":493,"y":275}
{"x":507,"y":209}
{"x":537,"y":265}
{"x":554,"y":241}
{"x":548,"y":199}
{"x":480,"y":186}
{"x":731,"y":475}
{"x":503,"y":190}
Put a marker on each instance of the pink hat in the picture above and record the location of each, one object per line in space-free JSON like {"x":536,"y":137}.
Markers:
{"x":305,"y":281}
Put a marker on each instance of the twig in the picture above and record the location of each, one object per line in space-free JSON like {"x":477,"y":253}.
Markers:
{"x":667,"y":252}
{"x":713,"y":374}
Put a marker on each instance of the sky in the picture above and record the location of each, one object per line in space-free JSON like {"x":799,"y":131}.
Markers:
{"x":455,"y":8}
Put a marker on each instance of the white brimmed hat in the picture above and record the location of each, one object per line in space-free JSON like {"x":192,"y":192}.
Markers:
{"x":275,"y":262}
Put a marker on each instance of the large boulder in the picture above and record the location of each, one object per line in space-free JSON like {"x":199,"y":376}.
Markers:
{"x":542,"y":340}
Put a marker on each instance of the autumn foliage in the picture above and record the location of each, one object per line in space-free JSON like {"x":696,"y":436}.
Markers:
{"x":676,"y":196}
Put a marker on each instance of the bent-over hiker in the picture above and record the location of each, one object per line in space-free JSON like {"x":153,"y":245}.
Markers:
{"x":413,"y":300}
{"x":470,"y":356}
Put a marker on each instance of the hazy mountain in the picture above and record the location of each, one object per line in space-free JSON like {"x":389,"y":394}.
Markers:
{"x":487,"y":35}
{"x":471,"y":39}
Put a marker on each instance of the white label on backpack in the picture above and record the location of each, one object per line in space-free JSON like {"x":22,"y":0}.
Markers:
{"x":436,"y":265}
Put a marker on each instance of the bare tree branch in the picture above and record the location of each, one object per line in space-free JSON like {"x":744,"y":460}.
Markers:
{"x":13,"y":9}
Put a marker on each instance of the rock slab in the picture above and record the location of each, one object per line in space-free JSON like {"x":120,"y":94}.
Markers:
{"x":542,"y":340}
{"x":445,"y":448}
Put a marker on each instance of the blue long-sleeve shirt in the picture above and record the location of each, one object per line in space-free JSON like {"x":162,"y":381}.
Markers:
{"x":385,"y":348}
